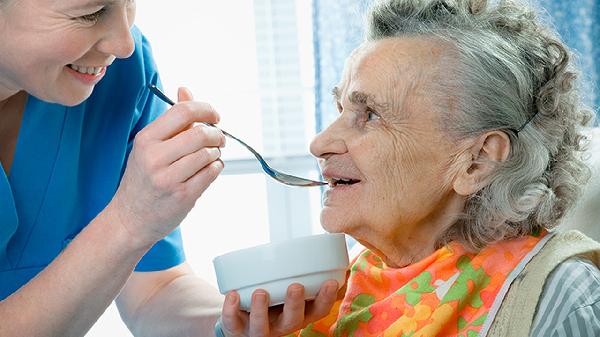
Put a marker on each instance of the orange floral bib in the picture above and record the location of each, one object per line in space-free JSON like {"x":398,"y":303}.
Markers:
{"x":450,"y":293}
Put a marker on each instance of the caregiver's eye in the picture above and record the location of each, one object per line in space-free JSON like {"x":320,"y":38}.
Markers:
{"x":94,"y":16}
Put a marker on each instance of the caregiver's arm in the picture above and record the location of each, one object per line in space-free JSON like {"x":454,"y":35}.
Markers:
{"x":69,"y":295}
{"x":170,"y":165}
{"x":171,"y":302}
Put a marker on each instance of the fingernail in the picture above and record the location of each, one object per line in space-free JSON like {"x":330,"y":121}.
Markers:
{"x":295,"y":292}
{"x":260,"y":298}
{"x":331,"y":289}
{"x":230,"y":298}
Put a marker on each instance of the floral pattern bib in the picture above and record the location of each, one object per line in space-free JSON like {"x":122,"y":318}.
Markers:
{"x":450,"y":293}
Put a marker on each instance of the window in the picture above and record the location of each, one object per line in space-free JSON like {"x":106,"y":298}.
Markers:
{"x":252,"y":61}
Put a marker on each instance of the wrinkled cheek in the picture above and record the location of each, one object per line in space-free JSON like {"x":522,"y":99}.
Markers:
{"x":400,"y":165}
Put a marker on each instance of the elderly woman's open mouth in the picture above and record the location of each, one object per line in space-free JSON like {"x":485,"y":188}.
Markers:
{"x":337,"y":178}
{"x":334,"y":182}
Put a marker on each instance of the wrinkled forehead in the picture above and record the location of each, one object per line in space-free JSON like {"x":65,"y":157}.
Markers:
{"x":394,"y":66}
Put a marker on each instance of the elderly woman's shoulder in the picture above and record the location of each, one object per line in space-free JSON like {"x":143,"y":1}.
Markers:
{"x":557,"y":293}
{"x":570,"y":301}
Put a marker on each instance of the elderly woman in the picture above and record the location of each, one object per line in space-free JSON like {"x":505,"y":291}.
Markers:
{"x":455,"y":152}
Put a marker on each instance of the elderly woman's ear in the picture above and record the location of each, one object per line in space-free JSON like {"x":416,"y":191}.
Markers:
{"x":478,"y":163}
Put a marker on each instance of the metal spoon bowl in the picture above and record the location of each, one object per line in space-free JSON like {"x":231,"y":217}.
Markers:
{"x":281,"y":177}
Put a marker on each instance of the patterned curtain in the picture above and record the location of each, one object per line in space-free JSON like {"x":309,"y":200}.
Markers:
{"x":338,"y":29}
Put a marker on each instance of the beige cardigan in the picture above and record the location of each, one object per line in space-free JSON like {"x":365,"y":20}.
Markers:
{"x":515,"y":317}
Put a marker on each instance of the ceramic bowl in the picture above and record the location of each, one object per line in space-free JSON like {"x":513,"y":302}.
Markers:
{"x":309,"y":260}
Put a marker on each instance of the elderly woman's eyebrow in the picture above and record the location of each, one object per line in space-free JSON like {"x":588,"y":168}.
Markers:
{"x":335,"y":92}
{"x":359,"y":97}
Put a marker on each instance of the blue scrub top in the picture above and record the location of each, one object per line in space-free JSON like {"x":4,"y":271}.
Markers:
{"x":67,"y":165}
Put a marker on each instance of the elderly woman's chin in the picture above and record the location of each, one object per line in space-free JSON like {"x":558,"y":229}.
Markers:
{"x":337,"y":219}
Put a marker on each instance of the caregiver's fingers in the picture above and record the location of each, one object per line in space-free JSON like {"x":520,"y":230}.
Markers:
{"x":199,"y":182}
{"x":232,"y":322}
{"x":323,"y":303}
{"x":259,"y":314}
{"x":292,"y":317}
{"x":178,"y":118}
{"x":189,"y":165}
{"x":190,"y":141}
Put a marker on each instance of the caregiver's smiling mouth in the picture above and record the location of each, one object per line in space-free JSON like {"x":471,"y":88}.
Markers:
{"x":87,"y":75}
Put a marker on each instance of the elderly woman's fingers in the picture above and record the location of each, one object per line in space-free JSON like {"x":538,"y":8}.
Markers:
{"x":259,"y":314}
{"x":292,"y":317}
{"x":190,"y":141}
{"x":179,"y":118}
{"x":322,"y":304}
{"x":232,"y":322}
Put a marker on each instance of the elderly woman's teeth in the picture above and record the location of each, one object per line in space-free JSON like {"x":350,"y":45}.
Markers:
{"x":341,"y":181}
{"x":86,"y":70}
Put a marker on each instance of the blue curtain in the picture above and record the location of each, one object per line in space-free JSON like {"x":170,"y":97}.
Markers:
{"x":338,"y":29}
{"x":578,"y":23}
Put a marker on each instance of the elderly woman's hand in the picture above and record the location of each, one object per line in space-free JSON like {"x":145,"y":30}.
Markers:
{"x":263,"y":321}
{"x":171,"y":164}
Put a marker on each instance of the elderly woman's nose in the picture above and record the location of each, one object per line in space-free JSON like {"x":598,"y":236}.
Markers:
{"x":327,"y":142}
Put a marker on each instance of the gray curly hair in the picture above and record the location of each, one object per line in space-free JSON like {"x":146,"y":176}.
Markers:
{"x":510,"y":70}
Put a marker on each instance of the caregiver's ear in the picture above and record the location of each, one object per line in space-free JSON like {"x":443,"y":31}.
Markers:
{"x":479,"y":162}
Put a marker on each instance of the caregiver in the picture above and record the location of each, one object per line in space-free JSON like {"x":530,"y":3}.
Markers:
{"x":73,"y":105}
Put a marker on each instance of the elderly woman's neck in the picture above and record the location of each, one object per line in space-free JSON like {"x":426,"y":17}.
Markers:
{"x":406,"y":246}
{"x":402,"y":253}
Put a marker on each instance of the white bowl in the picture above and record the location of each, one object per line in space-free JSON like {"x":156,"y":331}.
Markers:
{"x":309,"y":260}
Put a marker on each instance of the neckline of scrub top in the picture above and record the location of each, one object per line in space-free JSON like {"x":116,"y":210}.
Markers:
{"x":8,"y":216}
{"x":34,"y":159}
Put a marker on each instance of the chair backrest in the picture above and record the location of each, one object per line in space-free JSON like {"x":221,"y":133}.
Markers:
{"x":585,"y":217}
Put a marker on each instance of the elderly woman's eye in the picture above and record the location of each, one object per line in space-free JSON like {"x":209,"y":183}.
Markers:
{"x":372,"y":115}
{"x":339,"y":106}
{"x":94,"y":16}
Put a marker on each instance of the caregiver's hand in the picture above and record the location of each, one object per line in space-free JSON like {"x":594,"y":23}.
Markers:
{"x":264,"y":322}
{"x":171,"y":164}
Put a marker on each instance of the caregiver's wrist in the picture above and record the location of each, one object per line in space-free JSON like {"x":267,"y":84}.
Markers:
{"x":121,"y":224}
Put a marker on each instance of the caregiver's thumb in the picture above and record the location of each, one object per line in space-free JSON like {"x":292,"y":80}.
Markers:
{"x":184,"y":94}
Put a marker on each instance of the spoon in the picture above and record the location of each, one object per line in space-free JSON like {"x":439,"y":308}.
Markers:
{"x":279,"y":176}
